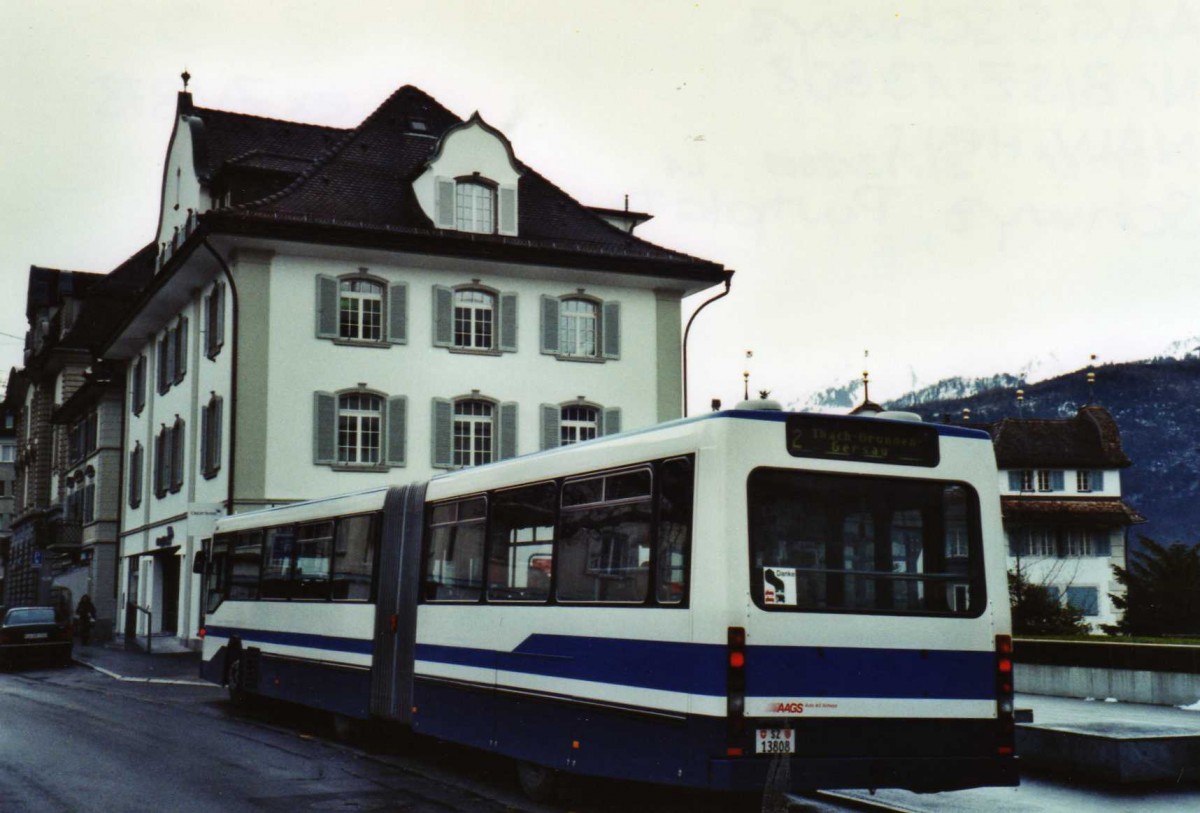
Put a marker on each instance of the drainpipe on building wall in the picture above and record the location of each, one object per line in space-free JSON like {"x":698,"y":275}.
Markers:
{"x":233,"y":368}
{"x":687,"y":330}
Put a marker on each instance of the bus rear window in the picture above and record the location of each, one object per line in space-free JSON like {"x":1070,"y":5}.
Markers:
{"x":840,"y":543}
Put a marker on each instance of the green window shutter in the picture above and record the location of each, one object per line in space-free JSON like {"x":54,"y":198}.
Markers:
{"x":397,"y":430}
{"x":443,"y":418}
{"x":324,"y":428}
{"x":611,"y":327}
{"x":551,"y":428}
{"x":508,"y":430}
{"x":398,"y":313}
{"x":550,"y":325}
{"x":1097,"y":480}
{"x":611,"y":421}
{"x":177,"y":440}
{"x":443,"y":316}
{"x":1056,"y":481}
{"x":1014,"y":481}
{"x":508,"y":323}
{"x":508,"y":210}
{"x":444,"y":206}
{"x":218,"y":339}
{"x":1102,"y":543}
{"x":327,"y":307}
{"x":218,"y":410}
{"x":181,"y":349}
{"x":205,"y":423}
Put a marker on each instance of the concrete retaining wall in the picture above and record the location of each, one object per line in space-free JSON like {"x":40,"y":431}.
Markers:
{"x":1127,"y":685}
{"x":1161,"y":674}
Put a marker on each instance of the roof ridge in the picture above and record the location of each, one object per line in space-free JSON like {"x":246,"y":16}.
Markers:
{"x":199,"y":111}
{"x":337,"y":148}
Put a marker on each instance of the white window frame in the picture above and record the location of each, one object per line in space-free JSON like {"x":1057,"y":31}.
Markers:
{"x":474,"y":206}
{"x":579,"y":321}
{"x":577,"y":423}
{"x":473,"y":432}
{"x":357,"y":436}
{"x":353,"y":309}
{"x":479,"y":309}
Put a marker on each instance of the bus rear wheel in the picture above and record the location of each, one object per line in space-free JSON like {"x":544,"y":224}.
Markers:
{"x":538,"y":782}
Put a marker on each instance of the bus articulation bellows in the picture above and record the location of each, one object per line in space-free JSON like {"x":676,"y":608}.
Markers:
{"x":686,"y":605}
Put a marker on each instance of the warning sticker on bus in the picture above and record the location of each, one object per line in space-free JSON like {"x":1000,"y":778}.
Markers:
{"x":779,"y":585}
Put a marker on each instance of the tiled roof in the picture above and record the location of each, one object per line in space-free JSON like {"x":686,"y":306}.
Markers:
{"x":230,"y":138}
{"x":110,"y":299}
{"x":1089,"y":440}
{"x":47,"y":286}
{"x":1100,"y":512}
{"x":363,"y":180}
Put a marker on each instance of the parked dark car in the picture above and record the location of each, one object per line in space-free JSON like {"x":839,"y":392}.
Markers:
{"x":34,"y":634}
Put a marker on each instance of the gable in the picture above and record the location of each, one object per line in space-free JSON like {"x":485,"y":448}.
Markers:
{"x":181,"y":189}
{"x":470,"y":151}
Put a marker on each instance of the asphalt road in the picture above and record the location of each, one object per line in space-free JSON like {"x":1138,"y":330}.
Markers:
{"x":72,"y":739}
{"x":75,"y":740}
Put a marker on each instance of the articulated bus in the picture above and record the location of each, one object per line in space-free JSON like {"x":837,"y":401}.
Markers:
{"x":692,"y":604}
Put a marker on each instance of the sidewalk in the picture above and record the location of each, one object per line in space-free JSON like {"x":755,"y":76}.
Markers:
{"x":168,"y":665}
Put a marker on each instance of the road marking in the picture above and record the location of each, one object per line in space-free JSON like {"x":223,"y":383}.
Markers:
{"x":159,"y":681}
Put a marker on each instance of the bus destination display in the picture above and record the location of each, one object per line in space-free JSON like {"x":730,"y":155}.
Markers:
{"x":869,"y":441}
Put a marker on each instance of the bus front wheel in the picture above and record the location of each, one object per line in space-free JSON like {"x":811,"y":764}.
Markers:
{"x":236,"y":680}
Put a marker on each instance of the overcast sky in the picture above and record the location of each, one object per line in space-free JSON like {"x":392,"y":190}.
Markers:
{"x":959,"y":187}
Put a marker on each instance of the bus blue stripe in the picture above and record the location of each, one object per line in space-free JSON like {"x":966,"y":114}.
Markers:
{"x":771,"y":671}
{"x":329,"y":643}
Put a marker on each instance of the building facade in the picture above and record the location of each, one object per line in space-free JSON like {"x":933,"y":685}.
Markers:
{"x":333,"y":310}
{"x":1060,"y":496}
{"x":8,"y":486}
{"x":66,"y":455}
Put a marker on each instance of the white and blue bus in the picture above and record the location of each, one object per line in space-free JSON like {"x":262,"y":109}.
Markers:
{"x":688,"y":604}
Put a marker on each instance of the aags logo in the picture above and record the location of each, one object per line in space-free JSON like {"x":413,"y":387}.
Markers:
{"x":788,"y":708}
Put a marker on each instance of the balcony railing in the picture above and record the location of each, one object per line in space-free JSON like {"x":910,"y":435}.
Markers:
{"x":64,"y":536}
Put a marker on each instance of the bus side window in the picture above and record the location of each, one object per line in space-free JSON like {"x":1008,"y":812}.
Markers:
{"x":216,"y":574}
{"x":604,"y":548}
{"x":245,"y":565}
{"x":674,"y":529}
{"x":521,"y":543}
{"x":314,"y":547}
{"x":354,"y":559}
{"x":277,"y":562}
{"x":454,"y":558}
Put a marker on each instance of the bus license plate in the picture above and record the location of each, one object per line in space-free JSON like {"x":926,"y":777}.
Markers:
{"x":29,"y":636}
{"x":775,"y":741}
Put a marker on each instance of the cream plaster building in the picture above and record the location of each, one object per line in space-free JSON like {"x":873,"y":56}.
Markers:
{"x":334,"y":310}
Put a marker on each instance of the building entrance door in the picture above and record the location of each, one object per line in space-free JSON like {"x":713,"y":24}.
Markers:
{"x":170,"y":593}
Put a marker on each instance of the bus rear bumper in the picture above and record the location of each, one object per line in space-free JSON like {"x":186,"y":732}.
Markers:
{"x":919,"y":774}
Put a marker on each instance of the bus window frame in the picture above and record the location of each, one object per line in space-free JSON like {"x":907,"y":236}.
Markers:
{"x":264,"y":532}
{"x":976,"y":580}
{"x":651,"y":599}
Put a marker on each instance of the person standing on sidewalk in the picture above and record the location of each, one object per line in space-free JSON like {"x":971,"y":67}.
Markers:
{"x":86,"y":612}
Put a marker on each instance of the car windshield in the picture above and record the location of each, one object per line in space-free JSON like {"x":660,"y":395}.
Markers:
{"x":30,"y":615}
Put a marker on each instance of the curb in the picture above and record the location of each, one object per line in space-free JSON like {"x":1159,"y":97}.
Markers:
{"x":158,"y":681}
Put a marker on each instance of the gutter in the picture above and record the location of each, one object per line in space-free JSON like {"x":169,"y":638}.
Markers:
{"x":687,"y":330}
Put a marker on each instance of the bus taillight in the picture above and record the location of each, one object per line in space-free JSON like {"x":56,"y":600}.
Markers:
{"x":1006,"y":733}
{"x":735,"y":692}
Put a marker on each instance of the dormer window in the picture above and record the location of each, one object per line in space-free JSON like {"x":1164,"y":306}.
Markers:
{"x":471,"y":182}
{"x":475,"y":207}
